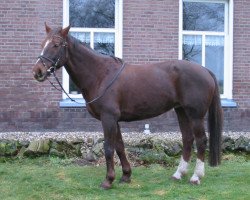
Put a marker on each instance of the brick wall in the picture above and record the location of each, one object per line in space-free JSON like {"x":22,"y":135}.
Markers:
{"x":24,"y":102}
{"x":150,"y":35}
{"x":150,"y":30}
{"x":241,"y":69}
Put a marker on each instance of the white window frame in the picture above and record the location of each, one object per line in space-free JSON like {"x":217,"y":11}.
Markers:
{"x":118,"y":38}
{"x":228,"y":42}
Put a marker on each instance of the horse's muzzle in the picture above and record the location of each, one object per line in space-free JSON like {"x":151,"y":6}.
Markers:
{"x":40,"y":75}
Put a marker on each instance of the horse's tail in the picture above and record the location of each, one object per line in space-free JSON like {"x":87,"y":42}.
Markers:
{"x":215,"y":123}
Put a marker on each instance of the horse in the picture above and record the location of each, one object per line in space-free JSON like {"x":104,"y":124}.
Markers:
{"x":116,"y":91}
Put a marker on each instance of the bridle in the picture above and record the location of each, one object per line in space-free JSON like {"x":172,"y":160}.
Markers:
{"x":54,"y":64}
{"x":52,"y":69}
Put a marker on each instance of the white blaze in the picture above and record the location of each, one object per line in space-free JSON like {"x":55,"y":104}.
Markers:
{"x":46,"y":44}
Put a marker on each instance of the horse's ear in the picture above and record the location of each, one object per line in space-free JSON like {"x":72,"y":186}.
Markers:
{"x":65,"y":31}
{"x":47,"y":28}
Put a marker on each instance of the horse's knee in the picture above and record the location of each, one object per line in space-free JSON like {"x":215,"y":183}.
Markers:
{"x":108,"y":149}
{"x":187,"y":148}
{"x":201,"y":141}
{"x":187,"y":143}
{"x":201,"y":145}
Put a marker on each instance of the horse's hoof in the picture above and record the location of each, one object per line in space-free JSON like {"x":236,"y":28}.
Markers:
{"x":195,"y":182}
{"x":175,"y":178}
{"x":178,"y":175}
{"x":125,"y":180}
{"x":106,"y":185}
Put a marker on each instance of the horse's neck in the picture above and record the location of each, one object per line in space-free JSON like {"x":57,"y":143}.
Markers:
{"x":85,"y":67}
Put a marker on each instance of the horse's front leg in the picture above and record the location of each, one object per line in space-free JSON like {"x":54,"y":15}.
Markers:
{"x":120,"y":150}
{"x":109,"y":124}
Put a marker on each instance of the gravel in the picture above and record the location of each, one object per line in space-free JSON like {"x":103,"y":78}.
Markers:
{"x":129,"y":137}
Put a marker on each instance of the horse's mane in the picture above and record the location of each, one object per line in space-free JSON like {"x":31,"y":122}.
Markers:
{"x":77,"y":42}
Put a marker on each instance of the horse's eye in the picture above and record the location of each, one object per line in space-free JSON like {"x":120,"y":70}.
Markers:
{"x":56,"y":45}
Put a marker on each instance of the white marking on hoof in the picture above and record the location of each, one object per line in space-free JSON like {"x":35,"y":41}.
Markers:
{"x":181,"y":170}
{"x":195,"y":180}
{"x":199,"y":168}
{"x":177,"y":175}
{"x":199,"y":172}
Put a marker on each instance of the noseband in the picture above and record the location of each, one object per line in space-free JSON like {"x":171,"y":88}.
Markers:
{"x":54,"y":65}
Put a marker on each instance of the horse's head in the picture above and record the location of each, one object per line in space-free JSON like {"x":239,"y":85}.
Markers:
{"x":54,"y":53}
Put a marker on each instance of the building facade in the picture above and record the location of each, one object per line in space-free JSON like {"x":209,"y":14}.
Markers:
{"x":214,"y":33}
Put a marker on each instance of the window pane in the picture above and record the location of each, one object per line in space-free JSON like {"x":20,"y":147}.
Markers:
{"x":198,"y":16}
{"x":192,"y":47}
{"x":215,"y":58}
{"x":92,"y":13}
{"x":73,"y":89}
{"x":82,"y":36}
{"x":105,"y":43}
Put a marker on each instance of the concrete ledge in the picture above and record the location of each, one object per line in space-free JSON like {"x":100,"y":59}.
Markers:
{"x":64,"y":103}
{"x":229,"y":103}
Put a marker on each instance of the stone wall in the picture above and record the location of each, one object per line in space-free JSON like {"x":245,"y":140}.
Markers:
{"x":144,"y":151}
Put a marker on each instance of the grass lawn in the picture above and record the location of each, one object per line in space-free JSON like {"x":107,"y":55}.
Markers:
{"x":53,"y":178}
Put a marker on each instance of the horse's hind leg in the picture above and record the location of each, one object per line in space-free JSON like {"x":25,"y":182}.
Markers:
{"x":187,"y":139}
{"x":201,"y":143}
{"x":120,"y":150}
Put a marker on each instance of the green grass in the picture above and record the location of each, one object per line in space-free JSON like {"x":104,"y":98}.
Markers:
{"x":53,"y":178}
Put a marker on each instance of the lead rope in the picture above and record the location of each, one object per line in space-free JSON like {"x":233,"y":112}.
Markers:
{"x":62,"y":89}
{"x":93,"y":100}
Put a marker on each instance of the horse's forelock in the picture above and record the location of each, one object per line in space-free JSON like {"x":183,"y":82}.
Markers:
{"x":52,"y":36}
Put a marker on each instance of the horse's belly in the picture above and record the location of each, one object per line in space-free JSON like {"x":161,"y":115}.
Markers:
{"x":143,"y":112}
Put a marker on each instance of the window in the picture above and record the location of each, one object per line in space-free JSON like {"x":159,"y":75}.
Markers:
{"x":206,"y":38}
{"x":97,"y":23}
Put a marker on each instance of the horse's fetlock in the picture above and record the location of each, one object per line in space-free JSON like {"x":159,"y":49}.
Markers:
{"x":127,"y":171}
{"x":111,"y":178}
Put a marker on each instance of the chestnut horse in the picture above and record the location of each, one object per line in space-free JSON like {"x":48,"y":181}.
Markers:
{"x":123,"y":92}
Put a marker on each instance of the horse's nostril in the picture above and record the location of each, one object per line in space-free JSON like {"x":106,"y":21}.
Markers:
{"x":39,"y":75}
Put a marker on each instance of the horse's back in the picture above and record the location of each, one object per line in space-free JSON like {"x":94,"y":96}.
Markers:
{"x":172,"y":77}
